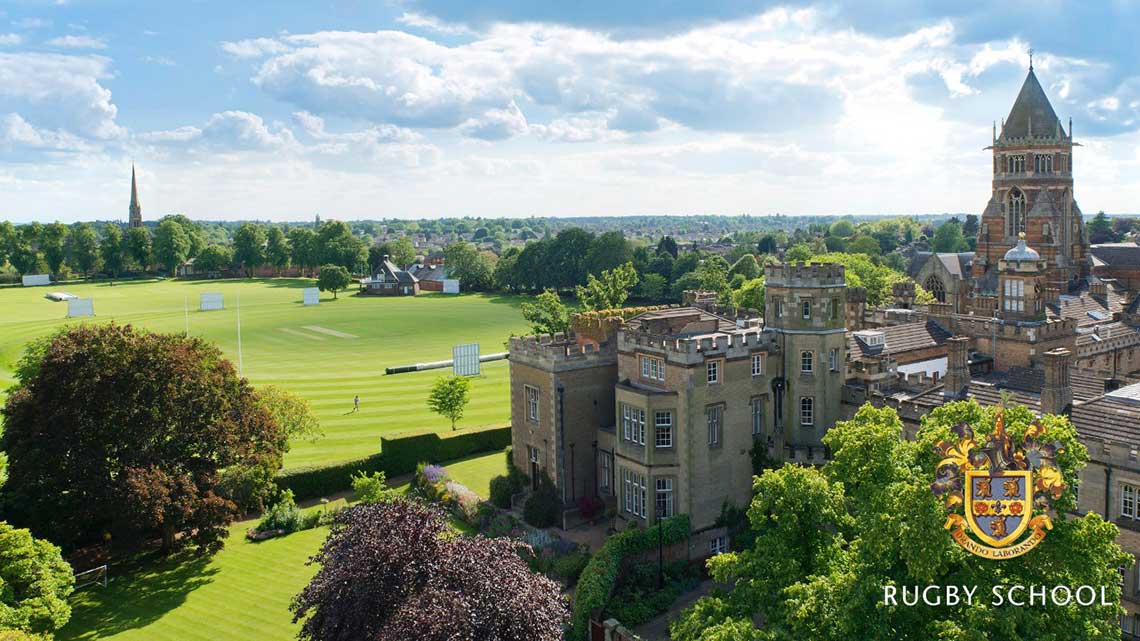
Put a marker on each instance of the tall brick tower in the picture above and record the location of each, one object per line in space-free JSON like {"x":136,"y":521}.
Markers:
{"x":1032,"y":193}
{"x":135,"y":219}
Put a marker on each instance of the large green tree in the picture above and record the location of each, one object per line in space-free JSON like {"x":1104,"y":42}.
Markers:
{"x":948,"y":237}
{"x":53,"y":244}
{"x":303,"y":248}
{"x":333,"y":278}
{"x":35,"y":582}
{"x":113,"y":431}
{"x":214,"y":258}
{"x":473,"y":268}
{"x":827,"y":541}
{"x":610,"y":290}
{"x":336,"y":245}
{"x":249,"y":247}
{"x":111,"y":249}
{"x":547,"y":314}
{"x":83,"y":249}
{"x":277,"y":249}
{"x":607,"y":252}
{"x":138,"y":247}
{"x":171,"y":245}
{"x":400,"y":251}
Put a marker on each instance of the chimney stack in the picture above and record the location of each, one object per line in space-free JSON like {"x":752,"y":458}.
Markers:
{"x":957,"y":368}
{"x":1057,"y":395}
{"x":1098,"y":289}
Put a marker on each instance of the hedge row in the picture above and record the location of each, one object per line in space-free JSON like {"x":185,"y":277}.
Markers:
{"x":403,"y":453}
{"x":398,"y":455}
{"x":596,"y":582}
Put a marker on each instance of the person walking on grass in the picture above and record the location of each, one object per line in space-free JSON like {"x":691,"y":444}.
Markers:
{"x":356,"y":403}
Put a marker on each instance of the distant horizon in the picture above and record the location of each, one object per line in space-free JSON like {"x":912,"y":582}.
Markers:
{"x":421,"y":109}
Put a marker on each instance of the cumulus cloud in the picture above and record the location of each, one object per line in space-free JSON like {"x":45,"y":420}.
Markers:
{"x":56,"y":92}
{"x":496,"y":124}
{"x":227,"y":131}
{"x":77,"y":42}
{"x":10,"y":39}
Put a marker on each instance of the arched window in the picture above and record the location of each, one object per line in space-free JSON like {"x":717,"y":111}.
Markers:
{"x":805,"y":362}
{"x":1015,"y":213}
{"x":933,"y":285}
{"x":807,"y":411}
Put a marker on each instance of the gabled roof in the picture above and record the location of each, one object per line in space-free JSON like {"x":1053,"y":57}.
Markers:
{"x":1031,"y":113}
{"x":389,"y":271}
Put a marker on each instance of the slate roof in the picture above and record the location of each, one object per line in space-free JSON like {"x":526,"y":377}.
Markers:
{"x":1031,"y":110}
{"x":958,"y":264}
{"x":1116,"y":254}
{"x":724,"y":325}
{"x":436,"y":273}
{"x":389,"y":272}
{"x":900,"y":339}
{"x":1113,"y":417}
{"x":1085,"y":385}
{"x":1087,"y":309}
{"x":990,"y":394}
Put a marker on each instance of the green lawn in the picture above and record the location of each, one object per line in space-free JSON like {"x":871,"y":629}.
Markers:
{"x":241,"y":594}
{"x":280,"y":347}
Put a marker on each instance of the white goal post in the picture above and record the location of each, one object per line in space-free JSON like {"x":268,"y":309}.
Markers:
{"x":94,"y":576}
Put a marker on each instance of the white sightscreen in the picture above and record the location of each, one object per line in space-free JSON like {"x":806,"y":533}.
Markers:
{"x":465,"y":359}
{"x":210,"y":301}
{"x":450,"y":286}
{"x":80,"y":307}
{"x":32,"y":280}
{"x":311,"y":296}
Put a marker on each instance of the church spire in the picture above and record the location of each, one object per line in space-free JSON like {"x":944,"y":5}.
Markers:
{"x":135,"y":208}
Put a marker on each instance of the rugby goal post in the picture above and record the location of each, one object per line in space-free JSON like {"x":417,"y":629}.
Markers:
{"x":88,"y":578}
{"x":311,"y":296}
{"x":208,"y":302}
{"x":77,"y":307}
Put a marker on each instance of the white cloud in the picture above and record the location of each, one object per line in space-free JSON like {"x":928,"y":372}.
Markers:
{"x":496,"y":124}
{"x":10,"y":39}
{"x":431,"y":23}
{"x":254,"y":48}
{"x":59,"y":93}
{"x":77,"y":42}
{"x":226,"y":131}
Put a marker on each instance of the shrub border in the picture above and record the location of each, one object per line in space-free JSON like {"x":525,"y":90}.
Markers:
{"x":398,"y":455}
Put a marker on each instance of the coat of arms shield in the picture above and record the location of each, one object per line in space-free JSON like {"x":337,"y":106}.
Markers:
{"x":998,"y":504}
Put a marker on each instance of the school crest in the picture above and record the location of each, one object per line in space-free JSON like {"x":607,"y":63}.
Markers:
{"x":992,"y":489}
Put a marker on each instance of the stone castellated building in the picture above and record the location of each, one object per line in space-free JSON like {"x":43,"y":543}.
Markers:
{"x":135,"y":209}
{"x":659,"y":414}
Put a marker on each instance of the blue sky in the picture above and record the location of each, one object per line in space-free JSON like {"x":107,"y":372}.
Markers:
{"x":419,"y":108}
